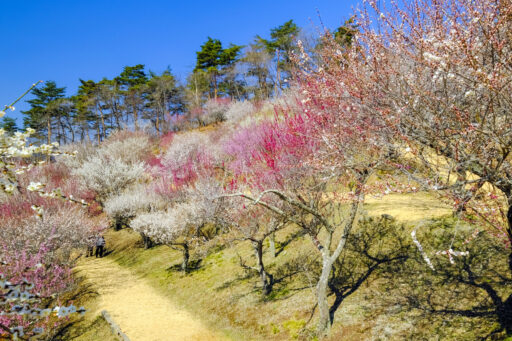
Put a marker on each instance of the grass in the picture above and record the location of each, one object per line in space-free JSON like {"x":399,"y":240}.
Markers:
{"x":91,"y":330}
{"x":220,"y":293}
{"x":90,"y":327}
{"x":407,"y":208}
{"x":224,"y":297}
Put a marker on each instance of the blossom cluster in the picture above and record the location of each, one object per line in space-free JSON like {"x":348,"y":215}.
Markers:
{"x":35,"y":252}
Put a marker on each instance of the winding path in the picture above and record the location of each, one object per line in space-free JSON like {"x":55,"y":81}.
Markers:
{"x":141,"y":312}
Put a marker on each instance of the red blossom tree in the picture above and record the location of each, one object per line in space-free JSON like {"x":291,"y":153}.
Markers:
{"x":316,"y":163}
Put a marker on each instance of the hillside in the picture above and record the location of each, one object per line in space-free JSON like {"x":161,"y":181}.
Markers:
{"x":353,"y":184}
{"x":220,"y":294}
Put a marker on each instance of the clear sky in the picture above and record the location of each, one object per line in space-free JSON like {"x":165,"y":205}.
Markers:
{"x":64,"y":40}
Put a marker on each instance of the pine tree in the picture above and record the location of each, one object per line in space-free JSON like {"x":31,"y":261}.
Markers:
{"x":90,"y":100}
{"x":165,"y":98}
{"x":198,"y":87}
{"x":217,"y":61}
{"x":111,"y":101}
{"x":345,"y":33}
{"x":257,"y":63}
{"x":132,"y":83}
{"x":9,"y":125}
{"x":281,"y":42}
{"x":41,"y":116}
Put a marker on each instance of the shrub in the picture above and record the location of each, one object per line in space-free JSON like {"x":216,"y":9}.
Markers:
{"x":115,"y":164}
{"x":129,"y":147}
{"x":131,"y":202}
{"x":214,"y":111}
{"x":238,"y":111}
{"x":68,"y":226}
{"x":108,"y":176}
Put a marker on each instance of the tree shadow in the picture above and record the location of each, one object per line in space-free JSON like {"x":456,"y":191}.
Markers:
{"x":235,"y":281}
{"x":193,"y":265}
{"x":280,"y":247}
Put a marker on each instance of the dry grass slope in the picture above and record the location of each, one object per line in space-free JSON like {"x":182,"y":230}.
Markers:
{"x":221,"y":295}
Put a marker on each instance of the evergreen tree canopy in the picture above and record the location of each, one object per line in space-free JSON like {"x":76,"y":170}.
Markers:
{"x":210,"y":55}
{"x":41,"y":114}
{"x":9,"y":125}
{"x":345,"y":33}
{"x":213,"y":57}
{"x":217,"y":61}
{"x":132,"y":76}
{"x":281,"y":37}
{"x":85,"y":101}
{"x":165,"y":98}
{"x":280,"y":44}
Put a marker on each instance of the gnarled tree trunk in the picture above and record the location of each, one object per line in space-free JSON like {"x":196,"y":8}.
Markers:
{"x":267,"y":280}
{"x":324,"y":322}
{"x":148,"y":243}
{"x":186,"y":257}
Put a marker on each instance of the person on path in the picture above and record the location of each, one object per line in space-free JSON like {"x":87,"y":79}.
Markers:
{"x":100,"y":247}
{"x":90,"y":247}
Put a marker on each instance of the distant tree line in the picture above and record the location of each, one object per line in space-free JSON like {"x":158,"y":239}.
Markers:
{"x":139,"y":98}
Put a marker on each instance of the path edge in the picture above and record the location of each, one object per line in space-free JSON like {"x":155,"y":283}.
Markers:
{"x":113,"y":325}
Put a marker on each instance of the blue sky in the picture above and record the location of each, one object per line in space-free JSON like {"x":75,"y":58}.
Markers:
{"x":64,"y":40}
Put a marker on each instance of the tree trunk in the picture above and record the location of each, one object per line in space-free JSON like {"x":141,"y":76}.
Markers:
{"x":61,"y":132}
{"x":118,"y":119}
{"x":196,"y":91}
{"x":102,"y":120}
{"x":148,"y":243}
{"x":273,"y":244}
{"x":98,"y":133}
{"x":72,"y":131}
{"x":135,"y":118}
{"x":186,"y":257}
{"x":278,"y":74}
{"x":157,"y":123}
{"x":49,"y":127}
{"x":505,"y":310}
{"x":324,"y":322}
{"x":118,"y":225}
{"x":214,"y":85}
{"x":509,"y":229}
{"x":267,"y":280}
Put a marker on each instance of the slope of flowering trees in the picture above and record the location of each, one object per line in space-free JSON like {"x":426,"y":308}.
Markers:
{"x":41,"y":224}
{"x":252,"y":181}
{"x":416,"y":97}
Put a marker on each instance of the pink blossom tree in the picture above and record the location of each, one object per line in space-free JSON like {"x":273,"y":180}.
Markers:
{"x":316,"y":163}
{"x":30,"y":278}
{"x":436,"y":75}
{"x":29,"y":283}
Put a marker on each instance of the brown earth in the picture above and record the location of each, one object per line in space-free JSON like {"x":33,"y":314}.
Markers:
{"x":140,"y":311}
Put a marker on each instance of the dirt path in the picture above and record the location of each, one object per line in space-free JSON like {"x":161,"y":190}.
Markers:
{"x":140,"y":311}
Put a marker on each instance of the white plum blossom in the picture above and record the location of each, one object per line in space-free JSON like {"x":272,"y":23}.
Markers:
{"x":431,"y":57}
{"x":239,"y":110}
{"x":131,"y":202}
{"x":109,"y":176}
{"x":34,"y":186}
